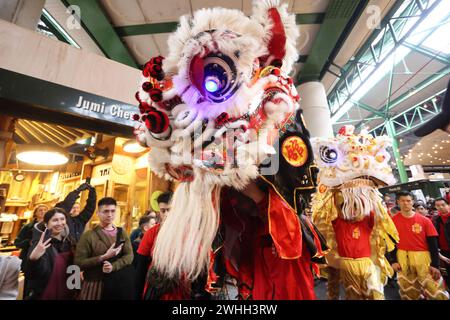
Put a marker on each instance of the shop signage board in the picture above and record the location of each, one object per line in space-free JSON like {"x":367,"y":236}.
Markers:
{"x":57,"y":98}
{"x":69,"y":175}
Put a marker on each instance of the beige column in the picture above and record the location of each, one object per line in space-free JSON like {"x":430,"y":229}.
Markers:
{"x":314,"y":103}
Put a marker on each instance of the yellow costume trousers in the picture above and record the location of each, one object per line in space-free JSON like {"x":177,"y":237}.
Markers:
{"x":415,"y":280}
{"x":361,"y":279}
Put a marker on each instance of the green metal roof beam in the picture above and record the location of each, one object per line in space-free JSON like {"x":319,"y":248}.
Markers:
{"x":368,"y":108}
{"x":143,"y":29}
{"x":309,"y":18}
{"x":427,"y":82}
{"x":428,"y":53}
{"x":167,"y":27}
{"x":56,"y":29}
{"x":101,"y":31}
{"x":332,"y":34}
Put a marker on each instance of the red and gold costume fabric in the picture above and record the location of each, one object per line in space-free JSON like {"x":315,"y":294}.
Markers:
{"x":353,"y":237}
{"x":265,"y":248}
{"x":413,"y":232}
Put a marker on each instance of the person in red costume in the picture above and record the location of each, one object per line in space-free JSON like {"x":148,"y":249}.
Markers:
{"x":268,"y":259}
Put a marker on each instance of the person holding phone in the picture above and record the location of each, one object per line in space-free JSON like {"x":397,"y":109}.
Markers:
{"x":105,"y":255}
{"x":51,"y":253}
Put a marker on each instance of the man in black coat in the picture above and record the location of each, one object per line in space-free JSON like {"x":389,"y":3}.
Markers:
{"x":77,"y":223}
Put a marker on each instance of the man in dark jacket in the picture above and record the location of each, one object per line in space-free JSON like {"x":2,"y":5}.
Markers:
{"x":442,"y":225}
{"x":77,"y":223}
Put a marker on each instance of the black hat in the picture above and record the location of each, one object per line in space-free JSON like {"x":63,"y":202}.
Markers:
{"x":440,"y":121}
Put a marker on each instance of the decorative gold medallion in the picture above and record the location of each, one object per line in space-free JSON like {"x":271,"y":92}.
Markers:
{"x":416,"y":228}
{"x":356,"y":233}
{"x":295,"y":152}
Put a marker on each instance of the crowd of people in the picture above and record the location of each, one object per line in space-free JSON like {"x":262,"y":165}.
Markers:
{"x":115,"y":266}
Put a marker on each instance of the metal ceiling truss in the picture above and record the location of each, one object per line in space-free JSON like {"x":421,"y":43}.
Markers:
{"x":352,"y":121}
{"x":413,"y":117}
{"x":428,"y":53}
{"x":405,"y":96}
{"x":380,"y":45}
{"x":52,"y":27}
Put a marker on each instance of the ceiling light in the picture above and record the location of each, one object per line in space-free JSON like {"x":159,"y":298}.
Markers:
{"x":132,"y":146}
{"x":41,"y":155}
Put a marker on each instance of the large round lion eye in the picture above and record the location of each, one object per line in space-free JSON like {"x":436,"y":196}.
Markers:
{"x":328,"y":154}
{"x":220,"y":77}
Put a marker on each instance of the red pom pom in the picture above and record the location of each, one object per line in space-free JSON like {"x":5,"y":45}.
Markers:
{"x":136,"y":117}
{"x":157,"y":121}
{"x":157,"y":60}
{"x":276,"y":72}
{"x":156,"y":72}
{"x":147,"y":86}
{"x":156,"y":67}
{"x":155,"y":95}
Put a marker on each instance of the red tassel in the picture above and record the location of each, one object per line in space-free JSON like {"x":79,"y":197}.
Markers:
{"x":137,"y":96}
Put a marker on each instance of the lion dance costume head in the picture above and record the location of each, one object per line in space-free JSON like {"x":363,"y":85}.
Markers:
{"x":211,"y":112}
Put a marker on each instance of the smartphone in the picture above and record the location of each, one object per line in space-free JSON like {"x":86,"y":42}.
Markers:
{"x":118,"y":243}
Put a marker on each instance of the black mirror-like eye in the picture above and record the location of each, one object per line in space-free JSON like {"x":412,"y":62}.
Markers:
{"x":328,"y":154}
{"x":220,"y":77}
